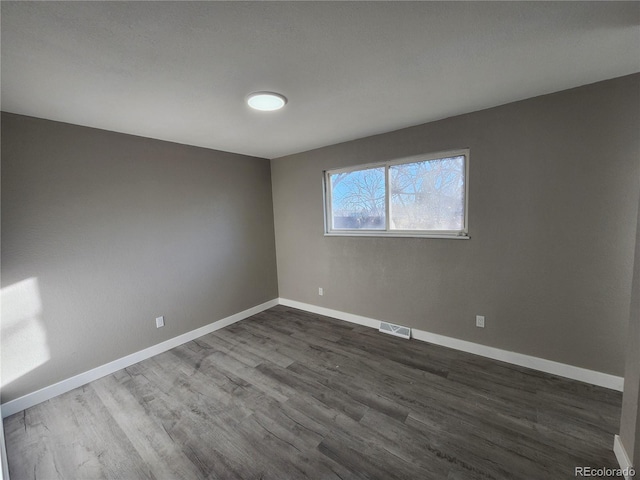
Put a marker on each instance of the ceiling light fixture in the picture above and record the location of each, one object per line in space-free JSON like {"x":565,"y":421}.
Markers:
{"x":266,"y":101}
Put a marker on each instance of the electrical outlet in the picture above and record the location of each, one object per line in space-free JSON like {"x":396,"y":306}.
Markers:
{"x":321,"y":291}
{"x":159,"y":322}
{"x":479,"y":321}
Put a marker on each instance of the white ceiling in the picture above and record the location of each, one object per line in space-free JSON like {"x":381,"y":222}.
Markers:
{"x":180,"y":71}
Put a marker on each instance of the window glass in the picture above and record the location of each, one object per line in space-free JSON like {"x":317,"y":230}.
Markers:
{"x":358,"y":199}
{"x":427,"y":195}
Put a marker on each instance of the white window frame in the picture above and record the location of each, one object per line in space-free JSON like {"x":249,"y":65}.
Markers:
{"x":387,"y":232}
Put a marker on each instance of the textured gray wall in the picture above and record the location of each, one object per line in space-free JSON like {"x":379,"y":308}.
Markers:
{"x":630,"y":421}
{"x":552,"y":217}
{"x":117,"y":230}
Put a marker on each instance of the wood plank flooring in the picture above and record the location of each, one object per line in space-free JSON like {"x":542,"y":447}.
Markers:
{"x":287,"y":394}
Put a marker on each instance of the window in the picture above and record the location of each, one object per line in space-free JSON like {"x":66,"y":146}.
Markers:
{"x":423,"y":196}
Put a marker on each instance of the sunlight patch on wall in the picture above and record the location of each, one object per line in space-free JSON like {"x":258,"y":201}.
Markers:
{"x":24,"y":338}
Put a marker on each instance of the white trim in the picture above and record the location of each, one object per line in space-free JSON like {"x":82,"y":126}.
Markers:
{"x":621,"y":456}
{"x":387,"y":198}
{"x":381,"y":233}
{"x":548,"y":366}
{"x":328,"y":312}
{"x":536,"y":363}
{"x":4,"y":472}
{"x":31,"y":399}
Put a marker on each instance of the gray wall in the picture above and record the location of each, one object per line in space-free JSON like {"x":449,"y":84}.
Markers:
{"x":630,"y":420}
{"x":118,"y":229}
{"x":552,"y":216}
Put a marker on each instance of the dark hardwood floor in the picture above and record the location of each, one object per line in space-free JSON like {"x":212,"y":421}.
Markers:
{"x":287,"y":394}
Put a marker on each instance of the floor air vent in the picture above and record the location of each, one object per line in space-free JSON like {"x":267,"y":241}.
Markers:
{"x":397,"y":330}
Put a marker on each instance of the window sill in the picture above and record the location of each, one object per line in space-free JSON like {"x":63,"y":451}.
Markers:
{"x":397,"y":235}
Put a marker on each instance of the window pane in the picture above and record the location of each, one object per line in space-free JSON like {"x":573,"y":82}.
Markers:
{"x":358,"y":200}
{"x":428,"y":195}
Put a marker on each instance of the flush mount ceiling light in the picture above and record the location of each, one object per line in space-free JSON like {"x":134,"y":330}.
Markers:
{"x":266,"y":101}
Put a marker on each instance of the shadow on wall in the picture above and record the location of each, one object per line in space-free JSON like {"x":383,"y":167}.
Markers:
{"x":22,"y":331}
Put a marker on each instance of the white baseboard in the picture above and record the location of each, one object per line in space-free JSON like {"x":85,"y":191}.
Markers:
{"x":548,"y":366}
{"x":39,"y":396}
{"x":328,"y":312}
{"x":621,"y":456}
{"x":4,"y":473}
